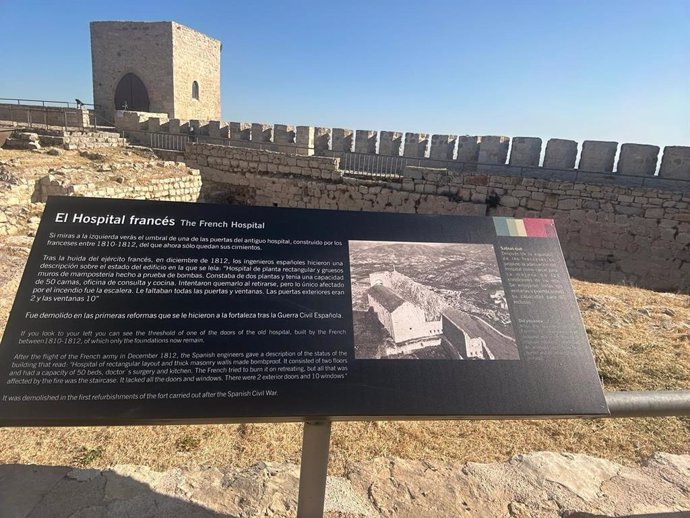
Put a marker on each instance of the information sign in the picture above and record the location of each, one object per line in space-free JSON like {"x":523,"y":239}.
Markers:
{"x":152,"y":312}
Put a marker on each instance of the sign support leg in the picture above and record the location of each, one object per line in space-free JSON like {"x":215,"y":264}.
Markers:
{"x":312,"y":478}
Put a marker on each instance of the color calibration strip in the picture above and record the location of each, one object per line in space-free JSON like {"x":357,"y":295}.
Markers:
{"x":528,"y":227}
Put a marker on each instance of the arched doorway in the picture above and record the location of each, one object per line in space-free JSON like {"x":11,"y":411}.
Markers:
{"x":131,"y":94}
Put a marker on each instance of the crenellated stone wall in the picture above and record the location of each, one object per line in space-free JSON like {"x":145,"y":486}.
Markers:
{"x":609,"y":233}
{"x":440,"y":150}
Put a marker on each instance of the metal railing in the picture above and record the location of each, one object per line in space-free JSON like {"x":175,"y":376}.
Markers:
{"x":388,"y":166}
{"x":649,"y":403}
{"x":373,"y":166}
{"x":46,"y":113}
{"x":170,"y":141}
{"x":42,"y":102}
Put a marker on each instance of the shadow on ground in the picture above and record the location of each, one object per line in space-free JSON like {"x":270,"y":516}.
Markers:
{"x":60,"y":492}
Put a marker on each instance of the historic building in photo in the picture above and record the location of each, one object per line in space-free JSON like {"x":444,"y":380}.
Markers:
{"x":402,"y":319}
{"x":159,"y":67}
{"x":399,"y":304}
{"x":471,"y":337}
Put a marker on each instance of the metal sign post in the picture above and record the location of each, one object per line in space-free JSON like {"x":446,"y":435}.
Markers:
{"x":312,"y":478}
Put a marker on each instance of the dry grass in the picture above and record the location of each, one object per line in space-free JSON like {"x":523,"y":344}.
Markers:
{"x":641,"y":340}
{"x":624,"y":440}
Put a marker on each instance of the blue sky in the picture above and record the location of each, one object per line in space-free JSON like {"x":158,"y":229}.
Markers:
{"x":609,"y":70}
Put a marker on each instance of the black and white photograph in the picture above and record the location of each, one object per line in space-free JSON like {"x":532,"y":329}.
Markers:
{"x":429,"y":301}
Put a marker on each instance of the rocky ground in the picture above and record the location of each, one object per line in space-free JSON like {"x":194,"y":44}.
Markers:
{"x":536,"y":485}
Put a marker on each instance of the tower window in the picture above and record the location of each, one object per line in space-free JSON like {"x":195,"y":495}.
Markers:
{"x":195,"y":90}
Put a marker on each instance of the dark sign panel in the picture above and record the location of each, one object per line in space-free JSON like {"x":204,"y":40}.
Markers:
{"x":151,"y":312}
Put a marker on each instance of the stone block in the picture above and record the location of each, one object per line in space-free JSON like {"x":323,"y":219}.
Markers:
{"x":154,"y":124}
{"x":560,"y":154}
{"x":174,"y":125}
{"x":468,"y":149}
{"x":598,"y":156}
{"x":525,"y":151}
{"x":322,"y":139}
{"x":26,"y":135}
{"x":415,"y":145}
{"x":654,"y":213}
{"x":304,"y":140}
{"x":443,"y":147}
{"x":341,"y":140}
{"x":638,"y":159}
{"x":390,"y":143}
{"x":283,"y":134}
{"x":214,"y":129}
{"x":130,"y":120}
{"x":239,"y":130}
{"x":569,"y":204}
{"x":20,"y":143}
{"x":217,"y":129}
{"x":416,"y":173}
{"x":493,"y":149}
{"x":261,"y":132}
{"x":675,"y":163}
{"x":365,"y":141}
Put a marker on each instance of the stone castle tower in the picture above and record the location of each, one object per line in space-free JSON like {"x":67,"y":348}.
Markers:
{"x":160,"y":67}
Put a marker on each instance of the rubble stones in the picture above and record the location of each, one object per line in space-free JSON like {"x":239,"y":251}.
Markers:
{"x":23,"y":140}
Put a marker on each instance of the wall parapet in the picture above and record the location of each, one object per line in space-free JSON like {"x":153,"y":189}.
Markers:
{"x":496,"y":150}
{"x":376,"y":166}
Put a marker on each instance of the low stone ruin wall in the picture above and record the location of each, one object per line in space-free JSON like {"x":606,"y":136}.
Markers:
{"x":175,"y":188}
{"x":22,"y":195}
{"x":84,"y":139}
{"x":31,"y":138}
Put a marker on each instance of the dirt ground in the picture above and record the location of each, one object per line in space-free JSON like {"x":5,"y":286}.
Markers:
{"x":640,"y":339}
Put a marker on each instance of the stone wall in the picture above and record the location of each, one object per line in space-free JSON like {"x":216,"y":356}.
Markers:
{"x":23,"y":191}
{"x":83,"y":139}
{"x":32,"y":140}
{"x":174,"y":188}
{"x":196,"y":57}
{"x":609,"y":233}
{"x":499,"y":153}
{"x":144,"y":49}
